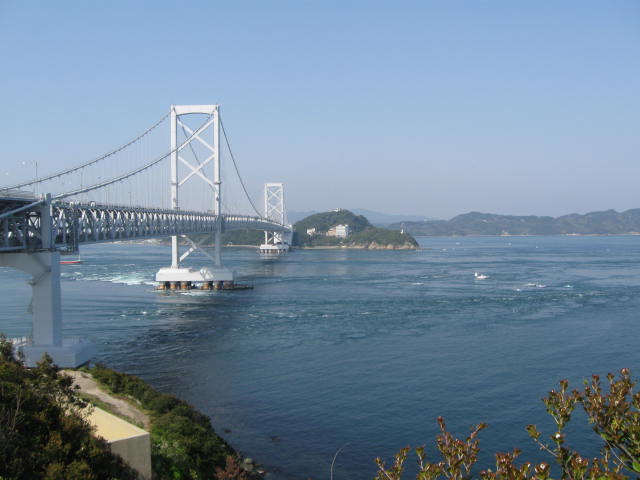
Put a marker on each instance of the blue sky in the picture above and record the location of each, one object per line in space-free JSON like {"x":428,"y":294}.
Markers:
{"x":429,"y":108}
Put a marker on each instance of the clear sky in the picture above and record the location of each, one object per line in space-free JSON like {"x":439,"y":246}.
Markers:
{"x":429,"y":107}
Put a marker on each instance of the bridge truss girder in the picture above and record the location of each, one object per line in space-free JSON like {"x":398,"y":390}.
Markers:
{"x":72,"y":224}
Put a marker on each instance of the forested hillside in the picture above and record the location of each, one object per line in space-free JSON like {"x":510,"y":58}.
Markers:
{"x":362,"y":233}
{"x":474,"y":223}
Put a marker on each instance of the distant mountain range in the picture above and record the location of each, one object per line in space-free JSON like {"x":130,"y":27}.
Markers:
{"x":378,"y":219}
{"x":608,"y":222}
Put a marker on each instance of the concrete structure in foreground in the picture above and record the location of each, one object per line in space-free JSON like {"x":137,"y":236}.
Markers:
{"x":131,"y":443}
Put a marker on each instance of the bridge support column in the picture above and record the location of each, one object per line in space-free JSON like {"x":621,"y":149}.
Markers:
{"x":46,"y":308}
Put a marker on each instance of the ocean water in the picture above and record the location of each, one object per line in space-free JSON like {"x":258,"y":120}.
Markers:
{"x":363,"y":349}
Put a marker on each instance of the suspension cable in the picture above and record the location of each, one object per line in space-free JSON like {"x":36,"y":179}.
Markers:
{"x":235,"y":165}
{"x":89,"y":163}
{"x":133,"y":172}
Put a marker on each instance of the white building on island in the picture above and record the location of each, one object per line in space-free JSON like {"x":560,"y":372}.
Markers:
{"x":339,"y":231}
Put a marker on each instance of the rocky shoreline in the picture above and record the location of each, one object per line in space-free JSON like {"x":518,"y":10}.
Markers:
{"x":370,"y":246}
{"x":382,"y":246}
{"x":352,"y":246}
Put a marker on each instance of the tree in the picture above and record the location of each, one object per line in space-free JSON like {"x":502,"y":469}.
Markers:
{"x":614,"y":416}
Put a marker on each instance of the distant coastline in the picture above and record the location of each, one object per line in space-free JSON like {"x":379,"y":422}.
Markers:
{"x":607,"y":222}
{"x":628,"y":234}
{"x":328,"y":247}
{"x":399,"y":236}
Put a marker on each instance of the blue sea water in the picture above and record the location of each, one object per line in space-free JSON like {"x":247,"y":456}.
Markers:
{"x":363,"y":348}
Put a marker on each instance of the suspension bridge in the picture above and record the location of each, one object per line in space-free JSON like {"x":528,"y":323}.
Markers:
{"x":142,"y":189}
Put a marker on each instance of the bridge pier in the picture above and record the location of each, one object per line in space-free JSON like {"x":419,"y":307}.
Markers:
{"x":46,"y":308}
{"x":177,"y":277}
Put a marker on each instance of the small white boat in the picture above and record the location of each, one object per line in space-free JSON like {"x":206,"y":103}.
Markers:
{"x":480,"y":276}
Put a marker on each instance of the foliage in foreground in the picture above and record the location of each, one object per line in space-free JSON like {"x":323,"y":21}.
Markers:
{"x":614,"y":416}
{"x":184,"y":445}
{"x":42,"y":432}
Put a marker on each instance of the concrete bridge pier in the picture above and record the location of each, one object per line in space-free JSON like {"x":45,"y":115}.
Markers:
{"x":46,"y":308}
{"x":179,"y":277}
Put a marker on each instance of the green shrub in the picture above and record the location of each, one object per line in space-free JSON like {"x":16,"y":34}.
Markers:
{"x":613,"y":415}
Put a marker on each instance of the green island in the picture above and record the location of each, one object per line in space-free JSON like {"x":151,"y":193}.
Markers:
{"x":317,"y":231}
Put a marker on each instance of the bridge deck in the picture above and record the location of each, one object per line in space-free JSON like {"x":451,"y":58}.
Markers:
{"x":24,"y":221}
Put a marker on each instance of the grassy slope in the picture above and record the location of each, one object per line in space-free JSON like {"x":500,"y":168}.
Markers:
{"x":183,"y":441}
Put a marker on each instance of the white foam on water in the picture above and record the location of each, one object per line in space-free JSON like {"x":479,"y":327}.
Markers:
{"x":126,"y":279}
{"x":193,"y":292}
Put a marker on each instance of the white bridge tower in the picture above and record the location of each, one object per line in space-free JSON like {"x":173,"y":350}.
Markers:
{"x":275,"y":243}
{"x":214,"y":276}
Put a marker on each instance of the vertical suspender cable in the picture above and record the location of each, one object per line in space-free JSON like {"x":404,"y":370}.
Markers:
{"x":226,"y":139}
